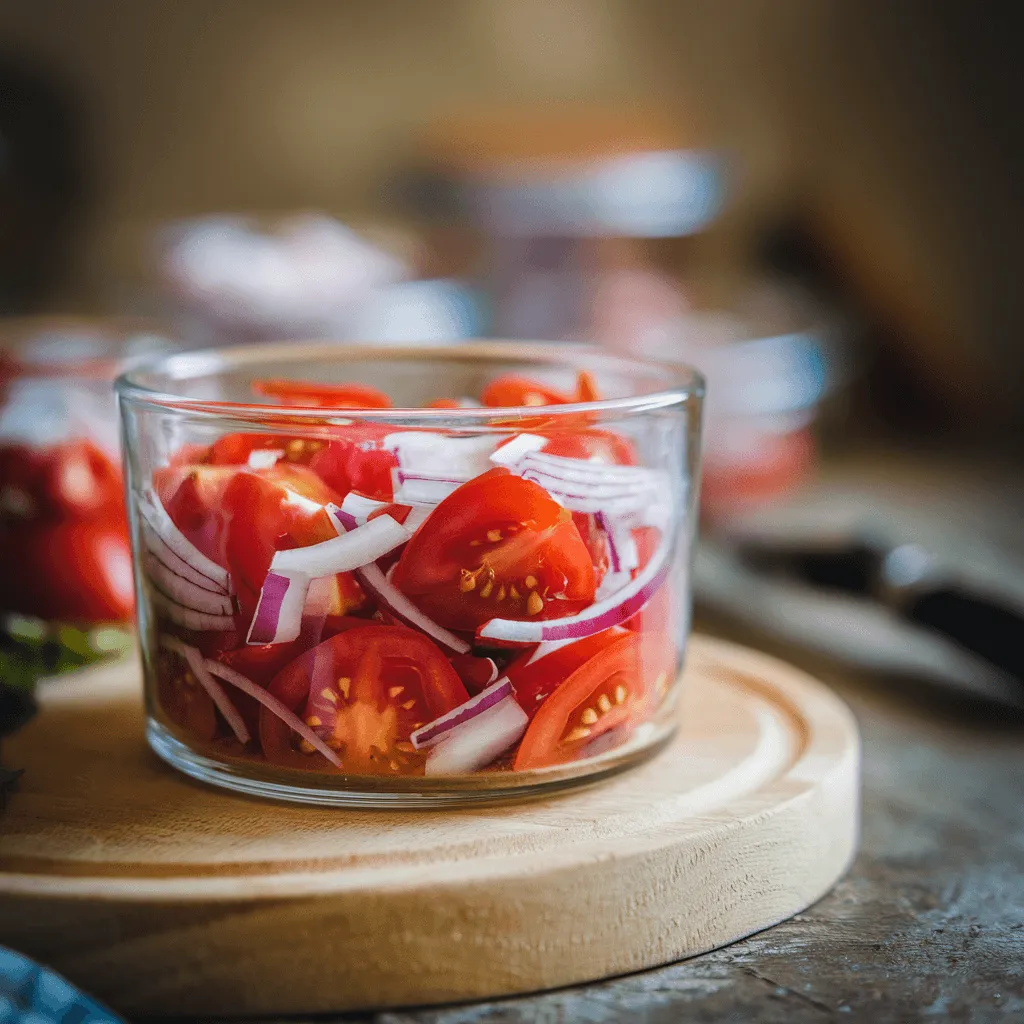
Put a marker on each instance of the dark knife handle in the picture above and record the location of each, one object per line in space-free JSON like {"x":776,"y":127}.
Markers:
{"x":991,"y":631}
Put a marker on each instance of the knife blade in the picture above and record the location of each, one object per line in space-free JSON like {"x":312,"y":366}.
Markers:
{"x":907,"y":580}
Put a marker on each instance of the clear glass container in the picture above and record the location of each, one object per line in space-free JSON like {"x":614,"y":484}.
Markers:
{"x":347,"y":602}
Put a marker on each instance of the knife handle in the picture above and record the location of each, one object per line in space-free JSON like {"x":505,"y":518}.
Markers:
{"x":991,"y":631}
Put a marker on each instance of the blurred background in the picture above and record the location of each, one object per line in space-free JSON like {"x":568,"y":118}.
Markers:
{"x":816,"y":201}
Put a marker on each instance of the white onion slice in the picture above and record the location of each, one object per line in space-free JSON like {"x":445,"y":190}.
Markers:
{"x":274,"y":706}
{"x":420,"y":489}
{"x":583,"y":469}
{"x":196,"y":663}
{"x":405,"y":611}
{"x":156,"y":515}
{"x":183,"y":591}
{"x":622,"y":551}
{"x":612,"y":611}
{"x":512,"y":452}
{"x":475,"y":744}
{"x":435,"y":731}
{"x":189,"y":617}
{"x":264,"y":458}
{"x":356,"y":510}
{"x":152,"y":542}
{"x":440,"y":455}
{"x":278,"y":616}
{"x":343,"y":553}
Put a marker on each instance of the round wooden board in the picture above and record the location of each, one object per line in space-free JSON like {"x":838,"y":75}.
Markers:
{"x":163,"y":896}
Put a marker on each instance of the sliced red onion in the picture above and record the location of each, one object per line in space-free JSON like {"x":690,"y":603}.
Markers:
{"x":511,"y":453}
{"x":196,"y":663}
{"x":581,"y":498}
{"x":622,"y":550}
{"x":189,"y":617}
{"x":475,"y":744}
{"x":435,"y":731}
{"x":583,"y":469}
{"x":441,"y":455}
{"x":264,"y":458}
{"x":613,"y":610}
{"x":357,"y":509}
{"x":612,"y":583}
{"x":183,"y":591}
{"x":278,"y":616}
{"x":398,"y":605}
{"x":163,"y":554}
{"x":549,"y":647}
{"x":274,"y":706}
{"x":351,"y":549}
{"x":156,"y":515}
{"x":420,"y":489}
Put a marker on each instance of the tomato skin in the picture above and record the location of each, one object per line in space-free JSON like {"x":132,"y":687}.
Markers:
{"x":474,"y":672}
{"x":312,"y":394}
{"x":470,"y":560}
{"x":185,"y":703}
{"x":384,"y":681}
{"x":511,"y":390}
{"x":533,"y":682}
{"x":605,"y":698}
{"x":602,"y":445}
{"x":69,"y":571}
{"x":354,"y":460}
{"x":240,"y":517}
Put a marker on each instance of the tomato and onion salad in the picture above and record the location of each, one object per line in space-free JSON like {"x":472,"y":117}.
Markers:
{"x":393,"y":602}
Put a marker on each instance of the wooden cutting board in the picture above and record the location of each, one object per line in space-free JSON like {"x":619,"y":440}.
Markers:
{"x":163,"y":896}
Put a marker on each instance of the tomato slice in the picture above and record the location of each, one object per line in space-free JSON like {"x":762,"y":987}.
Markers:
{"x":598,"y":445}
{"x":600,"y":703}
{"x":70,"y":571}
{"x":496,"y":546}
{"x":364,"y":691}
{"x":512,"y":390}
{"x":185,"y":703}
{"x":355,"y":460}
{"x":535,"y":681}
{"x":596,"y":541}
{"x":313,"y":394}
{"x":240,"y":517}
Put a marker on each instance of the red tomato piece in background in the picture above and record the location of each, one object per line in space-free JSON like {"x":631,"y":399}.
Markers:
{"x":600,"y":703}
{"x":657,"y":616}
{"x":364,"y":691}
{"x":498,"y":546}
{"x":511,"y":390}
{"x":313,"y":394}
{"x":70,"y":571}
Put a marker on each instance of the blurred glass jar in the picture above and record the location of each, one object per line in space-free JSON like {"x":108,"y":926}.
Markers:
{"x":559,"y":210}
{"x":770,"y":360}
{"x":63,"y":532}
{"x":230,"y":279}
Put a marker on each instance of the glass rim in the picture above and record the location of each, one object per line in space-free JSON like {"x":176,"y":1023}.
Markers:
{"x":684,"y":383}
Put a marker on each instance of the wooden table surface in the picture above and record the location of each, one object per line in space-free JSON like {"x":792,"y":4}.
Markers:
{"x":927,"y":925}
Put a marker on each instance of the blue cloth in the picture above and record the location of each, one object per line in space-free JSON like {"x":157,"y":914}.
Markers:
{"x":30,"y":994}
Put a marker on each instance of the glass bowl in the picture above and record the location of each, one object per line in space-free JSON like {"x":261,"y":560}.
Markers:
{"x":347,"y":602}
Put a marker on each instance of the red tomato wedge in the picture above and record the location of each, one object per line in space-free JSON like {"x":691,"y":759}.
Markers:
{"x":602,"y":445}
{"x":600,"y":703}
{"x":364,"y":691}
{"x":512,"y":390}
{"x":240,"y":517}
{"x":313,"y":394}
{"x":355,"y":460}
{"x":496,"y":546}
{"x":535,"y":681}
{"x":183,"y":700}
